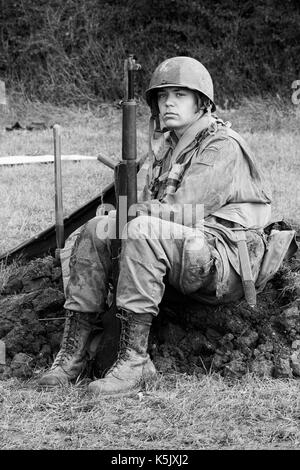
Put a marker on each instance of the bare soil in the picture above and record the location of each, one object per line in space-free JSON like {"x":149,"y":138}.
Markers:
{"x":185,"y":337}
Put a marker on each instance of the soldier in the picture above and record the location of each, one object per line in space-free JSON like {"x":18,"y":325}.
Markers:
{"x":196,"y":162}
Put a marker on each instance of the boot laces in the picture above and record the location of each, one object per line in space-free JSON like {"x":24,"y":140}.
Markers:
{"x":124,"y":342}
{"x":70,"y":339}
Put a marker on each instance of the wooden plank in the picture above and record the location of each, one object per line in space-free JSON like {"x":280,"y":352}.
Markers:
{"x":24,"y":159}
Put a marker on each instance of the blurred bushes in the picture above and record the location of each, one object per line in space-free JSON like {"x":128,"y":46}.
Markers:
{"x":72,"y":51}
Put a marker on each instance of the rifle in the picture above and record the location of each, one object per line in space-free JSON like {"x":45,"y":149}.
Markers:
{"x":125,"y":173}
{"x":126,"y":169}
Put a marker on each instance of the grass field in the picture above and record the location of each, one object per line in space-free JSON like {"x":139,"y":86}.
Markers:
{"x":27,"y":191}
{"x":176,"y":411}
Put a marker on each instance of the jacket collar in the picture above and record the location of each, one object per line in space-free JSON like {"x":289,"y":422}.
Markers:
{"x":190,"y":136}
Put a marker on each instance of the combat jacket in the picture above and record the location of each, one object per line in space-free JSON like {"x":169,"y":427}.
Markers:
{"x":210,"y":165}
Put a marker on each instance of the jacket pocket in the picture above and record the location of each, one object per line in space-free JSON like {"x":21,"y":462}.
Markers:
{"x":196,"y":264}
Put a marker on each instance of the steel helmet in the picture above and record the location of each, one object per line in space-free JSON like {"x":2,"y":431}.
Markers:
{"x":184,"y":72}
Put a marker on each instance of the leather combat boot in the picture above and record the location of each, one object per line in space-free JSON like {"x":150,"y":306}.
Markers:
{"x":72,"y":357}
{"x":133,"y":365}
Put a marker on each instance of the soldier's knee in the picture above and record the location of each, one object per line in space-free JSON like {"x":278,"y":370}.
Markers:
{"x":96,"y":228}
{"x":149,"y":227}
{"x":91,"y":225}
{"x":138,"y":228}
{"x":144,"y":227}
{"x":99,"y":227}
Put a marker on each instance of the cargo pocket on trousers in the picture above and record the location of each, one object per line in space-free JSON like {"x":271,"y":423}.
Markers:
{"x":196,"y":265}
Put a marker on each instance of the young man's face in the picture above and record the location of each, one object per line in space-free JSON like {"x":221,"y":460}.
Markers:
{"x":177,"y":107}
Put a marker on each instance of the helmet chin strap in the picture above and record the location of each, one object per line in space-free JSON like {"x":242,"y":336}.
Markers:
{"x":157,"y":124}
{"x":206,"y":108}
{"x":200,"y":113}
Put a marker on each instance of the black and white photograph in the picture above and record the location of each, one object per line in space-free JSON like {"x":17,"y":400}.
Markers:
{"x":149,"y":228}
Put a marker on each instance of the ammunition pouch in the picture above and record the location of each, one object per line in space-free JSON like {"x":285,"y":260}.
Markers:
{"x":281,"y":245}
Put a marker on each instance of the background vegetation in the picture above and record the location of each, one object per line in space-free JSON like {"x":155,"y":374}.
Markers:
{"x":72,"y":51}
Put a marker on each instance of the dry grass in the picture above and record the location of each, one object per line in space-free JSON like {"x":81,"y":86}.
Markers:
{"x":174,"y":412}
{"x":27,"y":194}
{"x":278,"y":154}
{"x":85,"y":131}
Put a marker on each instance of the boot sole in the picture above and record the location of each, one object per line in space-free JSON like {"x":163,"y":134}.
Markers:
{"x":125,"y":393}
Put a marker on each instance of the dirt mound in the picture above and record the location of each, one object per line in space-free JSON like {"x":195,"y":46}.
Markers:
{"x":185,"y":337}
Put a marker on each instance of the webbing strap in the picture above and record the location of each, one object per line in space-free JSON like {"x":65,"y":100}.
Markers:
{"x":246,"y":272}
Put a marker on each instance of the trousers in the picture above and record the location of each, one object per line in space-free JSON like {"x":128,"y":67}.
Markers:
{"x":154,"y":251}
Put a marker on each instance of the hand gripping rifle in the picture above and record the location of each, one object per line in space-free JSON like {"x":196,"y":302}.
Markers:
{"x":126,"y":197}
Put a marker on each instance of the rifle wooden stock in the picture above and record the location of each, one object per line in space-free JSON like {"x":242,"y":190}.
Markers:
{"x":106,"y":161}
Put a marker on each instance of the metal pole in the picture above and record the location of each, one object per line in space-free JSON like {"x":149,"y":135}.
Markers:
{"x":59,"y":216}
